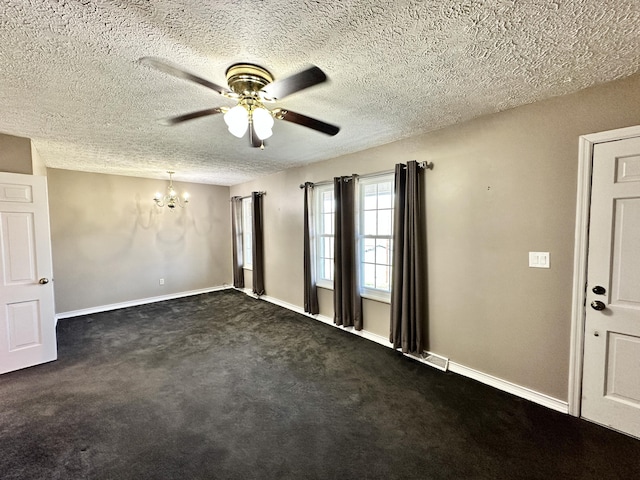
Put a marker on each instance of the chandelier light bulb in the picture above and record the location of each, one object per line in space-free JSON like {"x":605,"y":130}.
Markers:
{"x":262,"y":123}
{"x":237,"y":119}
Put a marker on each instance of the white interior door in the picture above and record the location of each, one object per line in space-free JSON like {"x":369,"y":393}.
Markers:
{"x":611,"y":370}
{"x":27,"y":317}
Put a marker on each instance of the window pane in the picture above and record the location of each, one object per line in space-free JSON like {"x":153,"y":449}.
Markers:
{"x":383,"y":251}
{"x":385,"y":196}
{"x":369,"y":222}
{"x":369,"y":250}
{"x":383,"y":277}
{"x":369,"y":275}
{"x":327,"y":201}
{"x":327,"y":224}
{"x":384,"y":222}
{"x":327,"y":269}
{"x":327,"y":247}
{"x":370,"y":197}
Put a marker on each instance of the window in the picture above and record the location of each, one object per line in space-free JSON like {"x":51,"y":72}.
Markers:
{"x":247,"y":240}
{"x":324,"y":235}
{"x":375,"y":235}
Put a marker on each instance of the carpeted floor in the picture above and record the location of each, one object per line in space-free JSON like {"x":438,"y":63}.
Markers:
{"x":223,"y":386}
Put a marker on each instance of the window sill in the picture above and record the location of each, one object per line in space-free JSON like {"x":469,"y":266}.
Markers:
{"x":382,"y":298}
{"x":377,"y":297}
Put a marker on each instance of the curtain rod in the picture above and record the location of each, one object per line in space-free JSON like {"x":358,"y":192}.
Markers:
{"x":426,"y":165}
{"x":248,"y":196}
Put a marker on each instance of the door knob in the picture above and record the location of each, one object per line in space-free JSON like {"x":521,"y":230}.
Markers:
{"x":598,"y":305}
{"x":43,"y":281}
{"x":598,"y":290}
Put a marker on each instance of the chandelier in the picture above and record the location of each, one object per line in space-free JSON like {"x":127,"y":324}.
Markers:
{"x":171,"y":198}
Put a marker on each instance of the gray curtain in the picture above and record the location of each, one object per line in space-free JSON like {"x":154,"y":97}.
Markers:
{"x":409,"y":283}
{"x":346,"y":294}
{"x":236,"y":241}
{"x":310,"y":290}
{"x":258,"y":246}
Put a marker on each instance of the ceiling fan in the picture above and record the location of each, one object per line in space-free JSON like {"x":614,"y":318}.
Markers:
{"x":252,"y":87}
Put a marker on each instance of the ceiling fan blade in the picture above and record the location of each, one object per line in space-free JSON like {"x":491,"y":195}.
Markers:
{"x":190,"y":116}
{"x":253,"y":138}
{"x":178,"y":72}
{"x":305,"y":121}
{"x":294,"y":83}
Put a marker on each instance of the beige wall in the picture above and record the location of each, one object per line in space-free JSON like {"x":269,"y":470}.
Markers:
{"x":111,"y":244}
{"x":503,"y":185}
{"x":15,"y":154}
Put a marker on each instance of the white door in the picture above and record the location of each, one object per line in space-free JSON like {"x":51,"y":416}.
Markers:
{"x":611,"y":375}
{"x":27,"y":318}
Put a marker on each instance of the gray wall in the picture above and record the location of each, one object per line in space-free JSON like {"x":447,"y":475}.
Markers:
{"x":111,"y":244}
{"x":503,"y":185}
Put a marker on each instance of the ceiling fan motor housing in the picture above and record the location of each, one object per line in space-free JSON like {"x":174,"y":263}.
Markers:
{"x":247,"y":79}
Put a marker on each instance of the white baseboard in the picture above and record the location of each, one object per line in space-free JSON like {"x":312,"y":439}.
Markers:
{"x":512,"y":388}
{"x":134,"y":303}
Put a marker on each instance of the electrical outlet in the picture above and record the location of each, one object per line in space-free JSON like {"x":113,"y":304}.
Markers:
{"x":162,"y":281}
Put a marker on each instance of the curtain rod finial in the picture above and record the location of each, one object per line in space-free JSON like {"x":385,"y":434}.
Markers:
{"x":426,"y":165}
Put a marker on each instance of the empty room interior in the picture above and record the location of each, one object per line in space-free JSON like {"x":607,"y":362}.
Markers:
{"x":410,"y":246}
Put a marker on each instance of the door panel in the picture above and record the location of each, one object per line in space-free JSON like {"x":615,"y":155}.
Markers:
{"x":27,"y":321}
{"x":18,"y":252}
{"x":622,"y":382}
{"x":23,"y":320}
{"x":628,"y":168}
{"x":611,"y":374}
{"x":626,"y":261}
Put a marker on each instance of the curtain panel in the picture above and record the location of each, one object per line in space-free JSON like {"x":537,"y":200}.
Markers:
{"x":236,"y":241}
{"x":409,"y":282}
{"x":258,"y":245}
{"x":346,"y":294}
{"x":310,"y":290}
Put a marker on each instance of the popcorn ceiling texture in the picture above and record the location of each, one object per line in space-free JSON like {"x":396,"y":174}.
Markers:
{"x":69,"y":77}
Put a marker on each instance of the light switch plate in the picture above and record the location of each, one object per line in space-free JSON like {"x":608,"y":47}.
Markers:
{"x":539,"y":259}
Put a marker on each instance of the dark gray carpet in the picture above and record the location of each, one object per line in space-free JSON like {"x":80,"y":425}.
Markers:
{"x":223,"y":386}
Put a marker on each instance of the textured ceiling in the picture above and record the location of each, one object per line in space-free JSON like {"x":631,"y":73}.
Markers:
{"x":70,"y":80}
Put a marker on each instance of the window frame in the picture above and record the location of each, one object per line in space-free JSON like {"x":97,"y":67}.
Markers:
{"x":247,"y":233}
{"x":381,"y":295}
{"x":321,"y":235}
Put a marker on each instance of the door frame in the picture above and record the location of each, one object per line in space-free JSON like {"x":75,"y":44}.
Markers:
{"x":580,"y":252}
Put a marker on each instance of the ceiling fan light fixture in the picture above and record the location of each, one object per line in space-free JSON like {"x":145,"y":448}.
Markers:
{"x":262,"y":123}
{"x":237,"y":119}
